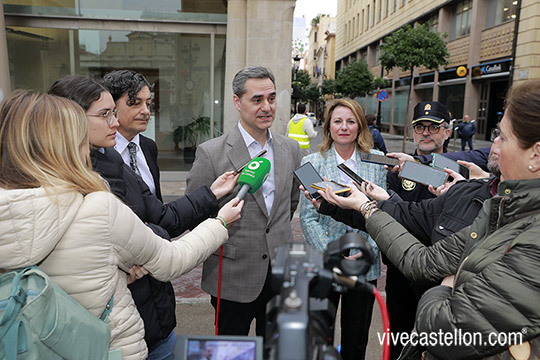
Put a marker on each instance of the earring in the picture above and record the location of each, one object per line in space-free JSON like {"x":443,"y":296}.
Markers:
{"x":530,"y":167}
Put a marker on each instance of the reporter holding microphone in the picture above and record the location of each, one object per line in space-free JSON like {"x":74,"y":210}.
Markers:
{"x":265,"y":222}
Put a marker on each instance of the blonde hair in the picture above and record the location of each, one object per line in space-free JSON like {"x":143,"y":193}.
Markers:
{"x":41,"y":139}
{"x":364,"y":141}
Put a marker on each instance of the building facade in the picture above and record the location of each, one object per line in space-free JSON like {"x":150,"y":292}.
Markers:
{"x":189,"y":49}
{"x":492,"y":44}
{"x":320,"y":59}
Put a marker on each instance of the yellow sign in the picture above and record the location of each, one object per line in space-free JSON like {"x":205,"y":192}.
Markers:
{"x":461,"y":71}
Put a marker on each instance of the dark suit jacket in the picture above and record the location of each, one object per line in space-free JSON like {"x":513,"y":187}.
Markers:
{"x":253,"y":238}
{"x":150,"y":151}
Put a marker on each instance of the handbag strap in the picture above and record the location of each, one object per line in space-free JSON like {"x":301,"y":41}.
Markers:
{"x":14,"y":336}
{"x":108,"y":309}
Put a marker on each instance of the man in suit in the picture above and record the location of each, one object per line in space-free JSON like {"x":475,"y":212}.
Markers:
{"x":265,"y":223}
{"x":133,"y":96}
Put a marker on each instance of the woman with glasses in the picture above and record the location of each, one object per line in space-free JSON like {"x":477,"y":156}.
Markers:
{"x":489,"y":271}
{"x":57,"y":213}
{"x":155,"y":300}
{"x":346,"y":134}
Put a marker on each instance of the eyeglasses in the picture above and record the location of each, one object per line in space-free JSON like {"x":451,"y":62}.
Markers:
{"x":432,"y":128}
{"x":109,"y":116}
{"x":495,"y":133}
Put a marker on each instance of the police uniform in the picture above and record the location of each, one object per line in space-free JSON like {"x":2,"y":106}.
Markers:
{"x":402,"y":295}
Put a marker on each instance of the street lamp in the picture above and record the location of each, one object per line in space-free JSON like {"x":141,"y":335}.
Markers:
{"x":295,"y":90}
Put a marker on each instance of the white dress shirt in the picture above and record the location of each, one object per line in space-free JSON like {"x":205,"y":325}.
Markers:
{"x":121,"y":147}
{"x":254,"y":147}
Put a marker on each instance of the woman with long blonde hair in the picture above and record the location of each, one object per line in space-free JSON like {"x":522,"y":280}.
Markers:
{"x":57,"y":213}
{"x":346,"y":134}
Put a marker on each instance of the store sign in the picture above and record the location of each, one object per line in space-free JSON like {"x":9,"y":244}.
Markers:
{"x":491,"y":68}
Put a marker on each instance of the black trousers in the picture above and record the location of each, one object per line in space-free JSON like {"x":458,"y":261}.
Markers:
{"x":356,"y":311}
{"x":401,"y":301}
{"x":235,"y":317}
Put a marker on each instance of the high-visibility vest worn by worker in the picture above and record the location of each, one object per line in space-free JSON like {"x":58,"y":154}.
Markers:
{"x":296,"y":132}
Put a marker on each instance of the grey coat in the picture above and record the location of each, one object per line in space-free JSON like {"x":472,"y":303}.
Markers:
{"x":496,"y":261}
{"x":253,"y":238}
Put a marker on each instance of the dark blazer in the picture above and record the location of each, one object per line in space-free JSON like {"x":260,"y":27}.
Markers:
{"x":154,"y":299}
{"x":253,"y":238}
{"x":150,"y":151}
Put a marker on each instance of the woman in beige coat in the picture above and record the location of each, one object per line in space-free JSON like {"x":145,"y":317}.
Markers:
{"x":58,"y":214}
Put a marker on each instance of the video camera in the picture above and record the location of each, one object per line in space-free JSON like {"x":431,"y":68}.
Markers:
{"x":301,"y":318}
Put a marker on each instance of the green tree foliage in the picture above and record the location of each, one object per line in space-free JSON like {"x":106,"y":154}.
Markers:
{"x":410,"y":47}
{"x":378,"y":83}
{"x":329,"y":87}
{"x":354,"y":79}
{"x":311,"y":93}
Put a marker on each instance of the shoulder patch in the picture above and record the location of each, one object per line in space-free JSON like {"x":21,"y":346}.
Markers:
{"x":408,"y":185}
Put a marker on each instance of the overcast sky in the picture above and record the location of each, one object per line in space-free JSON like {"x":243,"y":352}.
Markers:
{"x":310,"y":8}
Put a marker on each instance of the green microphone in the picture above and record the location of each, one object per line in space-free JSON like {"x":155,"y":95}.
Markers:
{"x":253,"y":176}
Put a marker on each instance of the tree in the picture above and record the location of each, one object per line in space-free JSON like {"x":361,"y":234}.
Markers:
{"x":311,"y":93}
{"x":329,"y":87}
{"x":354,"y":79}
{"x":411,"y":47}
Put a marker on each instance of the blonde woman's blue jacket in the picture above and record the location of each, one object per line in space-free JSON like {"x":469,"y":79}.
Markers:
{"x":320,"y":229}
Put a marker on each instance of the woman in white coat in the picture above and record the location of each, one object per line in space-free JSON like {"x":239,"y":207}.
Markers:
{"x":57,"y":213}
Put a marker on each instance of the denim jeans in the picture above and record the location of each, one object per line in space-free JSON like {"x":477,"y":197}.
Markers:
{"x":163,"y":350}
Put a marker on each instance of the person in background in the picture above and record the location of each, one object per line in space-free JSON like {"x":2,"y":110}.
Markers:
{"x":378,"y":141}
{"x":466,"y":130}
{"x":132,"y":94}
{"x":155,"y":300}
{"x":489,"y":271}
{"x":266,"y":221}
{"x":346,"y":134}
{"x":430,"y":130}
{"x":300,"y":128}
{"x":57,"y":213}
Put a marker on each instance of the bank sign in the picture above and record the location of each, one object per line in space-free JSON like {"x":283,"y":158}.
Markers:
{"x":492,"y":68}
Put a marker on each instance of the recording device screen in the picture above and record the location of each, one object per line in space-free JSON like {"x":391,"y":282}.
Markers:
{"x":239,"y":170}
{"x":441,"y":162}
{"x":218,"y":348}
{"x":337,"y":187}
{"x":378,"y":159}
{"x":307,"y":175}
{"x":422,"y":174}
{"x":347,"y":170}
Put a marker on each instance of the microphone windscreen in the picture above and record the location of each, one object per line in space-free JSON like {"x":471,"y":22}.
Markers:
{"x":255,"y":174}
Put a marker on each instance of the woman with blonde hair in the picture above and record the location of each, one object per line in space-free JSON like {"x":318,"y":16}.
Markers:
{"x":346,"y":134}
{"x":57,"y":213}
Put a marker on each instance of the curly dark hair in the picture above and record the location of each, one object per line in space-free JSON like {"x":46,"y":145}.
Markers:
{"x":120,"y":82}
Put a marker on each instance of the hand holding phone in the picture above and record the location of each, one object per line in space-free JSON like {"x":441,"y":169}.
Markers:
{"x":336,"y":187}
{"x":423,"y":174}
{"x":307,"y":175}
{"x":347,"y":170}
{"x":441,"y":162}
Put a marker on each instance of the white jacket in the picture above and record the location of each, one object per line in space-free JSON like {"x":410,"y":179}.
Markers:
{"x":87,"y":244}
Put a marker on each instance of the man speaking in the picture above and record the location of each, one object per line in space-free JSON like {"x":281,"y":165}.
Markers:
{"x":265,"y":223}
